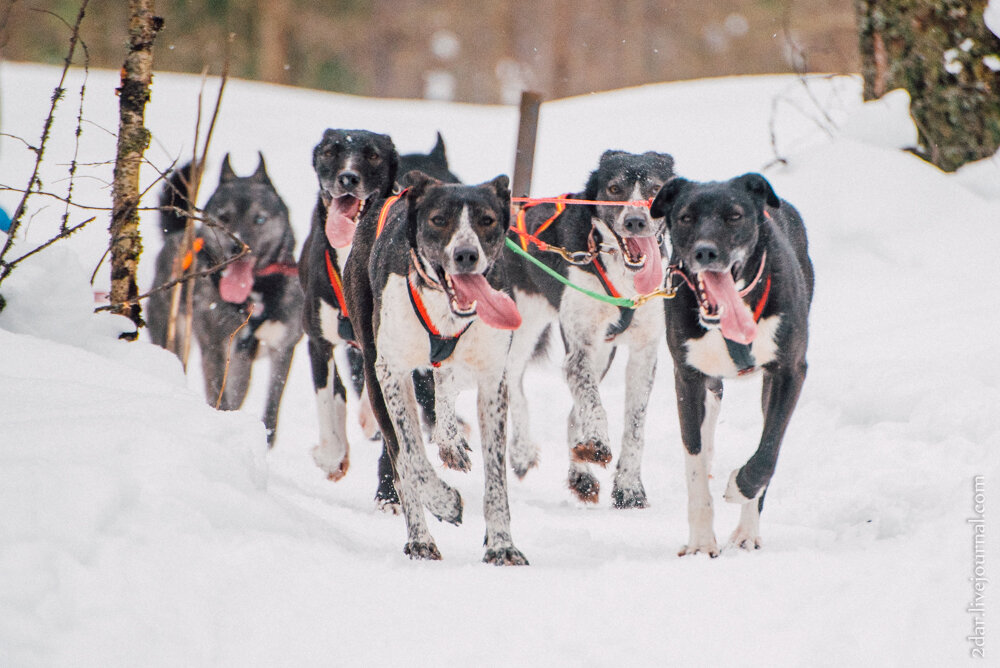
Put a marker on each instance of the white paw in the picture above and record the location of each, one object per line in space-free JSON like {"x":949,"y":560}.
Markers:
{"x":705,"y":545}
{"x":745,"y":538}
{"x":328,"y":459}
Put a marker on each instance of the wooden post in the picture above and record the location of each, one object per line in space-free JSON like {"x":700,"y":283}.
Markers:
{"x":527,"y":130}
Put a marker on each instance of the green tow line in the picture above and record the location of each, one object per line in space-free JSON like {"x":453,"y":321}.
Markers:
{"x":625,"y":302}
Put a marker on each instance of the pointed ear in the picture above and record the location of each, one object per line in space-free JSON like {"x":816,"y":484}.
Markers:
{"x":501,"y":185}
{"x":226,"y":174}
{"x":417,"y":184}
{"x":665,"y":198}
{"x":260,"y":176}
{"x":759,"y":187}
{"x":438,"y":153}
{"x":664,"y":161}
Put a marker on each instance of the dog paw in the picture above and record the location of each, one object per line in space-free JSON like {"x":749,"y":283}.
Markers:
{"x":592,"y":452}
{"x":505,"y":556}
{"x":745,"y":539}
{"x":426,"y":551}
{"x":523,"y":458}
{"x":386,"y":498}
{"x":709,"y":547}
{"x":584,"y":485}
{"x":629,"y":497}
{"x":444,"y":503}
{"x":335,"y":467}
{"x":456,"y":455}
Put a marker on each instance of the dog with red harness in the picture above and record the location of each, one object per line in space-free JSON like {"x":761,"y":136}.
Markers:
{"x":432,"y":296}
{"x":742,"y":306}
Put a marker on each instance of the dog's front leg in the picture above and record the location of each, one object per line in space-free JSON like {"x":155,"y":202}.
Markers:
{"x":781,"y":389}
{"x":281,"y":362}
{"x":587,"y":429}
{"x":447,"y":435}
{"x":332,"y":452}
{"x":492,"y":404}
{"x":397,"y":393}
{"x":628,"y":491}
{"x":698,"y":402}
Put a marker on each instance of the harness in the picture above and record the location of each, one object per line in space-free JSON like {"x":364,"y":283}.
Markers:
{"x":441,"y":347}
{"x":344,"y":328}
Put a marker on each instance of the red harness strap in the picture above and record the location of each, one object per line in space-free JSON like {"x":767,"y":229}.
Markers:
{"x":338,"y":287}
{"x":521,"y":226}
{"x":441,"y":346}
{"x":383,"y":215}
{"x":282,"y":268}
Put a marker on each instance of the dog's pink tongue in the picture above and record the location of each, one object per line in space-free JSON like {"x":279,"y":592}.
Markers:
{"x":650,"y":277}
{"x":735,"y":317}
{"x":237,"y":281}
{"x":495,"y":308}
{"x":340,"y":223}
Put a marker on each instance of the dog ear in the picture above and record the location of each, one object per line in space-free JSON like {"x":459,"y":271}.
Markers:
{"x":759,"y":187}
{"x":438,"y":153}
{"x":260,"y":176}
{"x":501,"y":185}
{"x":664,"y":161}
{"x":664,"y":199}
{"x":417,"y":183}
{"x":226,"y":174}
{"x":392,"y":155}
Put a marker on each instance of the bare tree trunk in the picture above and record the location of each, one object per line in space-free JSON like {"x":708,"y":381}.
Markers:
{"x":133,"y":139}
{"x":939,"y":52}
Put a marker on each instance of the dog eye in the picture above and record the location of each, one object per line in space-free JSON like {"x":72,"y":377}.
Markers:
{"x":439,"y":221}
{"x":686,"y":218}
{"x":260,"y":219}
{"x":374,"y":158}
{"x":614,"y":189}
{"x":735,"y":216}
{"x":486,"y":221}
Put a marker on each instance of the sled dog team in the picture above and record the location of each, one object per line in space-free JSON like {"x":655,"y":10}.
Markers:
{"x":431,"y":285}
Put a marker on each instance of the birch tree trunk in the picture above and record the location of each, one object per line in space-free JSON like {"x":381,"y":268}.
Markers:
{"x":133,"y":139}
{"x":943,"y":54}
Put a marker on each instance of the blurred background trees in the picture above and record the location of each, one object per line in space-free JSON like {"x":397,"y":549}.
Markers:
{"x":483,"y":52}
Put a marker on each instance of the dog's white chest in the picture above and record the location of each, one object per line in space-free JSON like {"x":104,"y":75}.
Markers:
{"x":710,"y":355}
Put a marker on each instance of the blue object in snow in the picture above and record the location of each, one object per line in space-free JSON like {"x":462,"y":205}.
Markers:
{"x":4,"y":221}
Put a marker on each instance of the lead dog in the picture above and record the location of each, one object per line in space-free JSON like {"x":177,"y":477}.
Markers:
{"x":744,"y":256}
{"x":629,"y":263}
{"x":430,"y":298}
{"x":251,"y":211}
{"x":354,"y":168}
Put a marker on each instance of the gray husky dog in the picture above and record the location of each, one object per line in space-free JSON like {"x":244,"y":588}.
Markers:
{"x":257,"y":296}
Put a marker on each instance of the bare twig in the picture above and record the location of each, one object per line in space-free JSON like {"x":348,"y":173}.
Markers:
{"x":63,"y":234}
{"x":5,"y":267}
{"x":229,"y":354}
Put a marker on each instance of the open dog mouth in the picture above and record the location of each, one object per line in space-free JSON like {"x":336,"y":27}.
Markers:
{"x":342,"y":216}
{"x":721,"y":306}
{"x":236,"y":281}
{"x":642,"y":256}
{"x":471,"y":294}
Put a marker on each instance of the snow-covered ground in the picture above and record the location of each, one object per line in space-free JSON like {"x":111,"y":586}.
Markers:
{"x":139,"y":527}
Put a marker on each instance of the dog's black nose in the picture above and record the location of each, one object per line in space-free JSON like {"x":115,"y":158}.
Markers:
{"x":348,"y":179}
{"x":705,"y":253}
{"x":466,"y":258}
{"x":635,"y":224}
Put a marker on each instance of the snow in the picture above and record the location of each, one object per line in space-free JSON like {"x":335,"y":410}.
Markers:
{"x":991,"y":16}
{"x":141,"y":527}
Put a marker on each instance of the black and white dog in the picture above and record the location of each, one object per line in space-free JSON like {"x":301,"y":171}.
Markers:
{"x":354,"y":169}
{"x":623,"y":244}
{"x":251,"y":211}
{"x":744,"y":256}
{"x":431,"y":297}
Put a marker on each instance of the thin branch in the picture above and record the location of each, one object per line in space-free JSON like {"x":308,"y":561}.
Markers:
{"x":62,"y":235}
{"x":57,"y":94}
{"x":229,"y":354}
